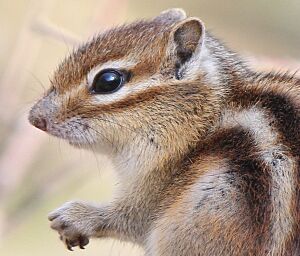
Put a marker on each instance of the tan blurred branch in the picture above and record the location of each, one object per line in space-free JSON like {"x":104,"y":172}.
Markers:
{"x":25,"y":53}
{"x":103,"y":17}
{"x":46,"y":28}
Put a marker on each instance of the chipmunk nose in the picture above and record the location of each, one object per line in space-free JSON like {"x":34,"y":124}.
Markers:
{"x":39,"y":122}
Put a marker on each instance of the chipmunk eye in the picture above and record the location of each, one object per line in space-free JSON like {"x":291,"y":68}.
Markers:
{"x":107,"y":81}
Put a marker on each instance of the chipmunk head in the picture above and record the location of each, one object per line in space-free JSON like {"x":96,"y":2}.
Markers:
{"x":137,"y":83}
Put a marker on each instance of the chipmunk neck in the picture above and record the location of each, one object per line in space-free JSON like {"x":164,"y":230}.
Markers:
{"x":139,"y":160}
{"x":222,"y":66}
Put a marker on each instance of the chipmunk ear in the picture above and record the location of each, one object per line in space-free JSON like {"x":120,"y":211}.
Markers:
{"x":186,"y":43}
{"x":171,"y":16}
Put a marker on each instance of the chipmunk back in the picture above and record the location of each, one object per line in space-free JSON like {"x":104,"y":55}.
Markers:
{"x":207,"y":150}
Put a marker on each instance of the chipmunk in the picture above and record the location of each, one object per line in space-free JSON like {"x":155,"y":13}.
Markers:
{"x":206,"y":149}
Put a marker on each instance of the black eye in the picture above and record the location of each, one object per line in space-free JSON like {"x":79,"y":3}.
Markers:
{"x":107,"y":81}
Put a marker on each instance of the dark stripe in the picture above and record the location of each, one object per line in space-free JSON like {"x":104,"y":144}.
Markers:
{"x":164,"y":96}
{"x":248,"y":174}
{"x":286,"y":114}
{"x":287,"y":122}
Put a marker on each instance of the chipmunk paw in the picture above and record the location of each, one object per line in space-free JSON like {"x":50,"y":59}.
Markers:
{"x":73,"y":223}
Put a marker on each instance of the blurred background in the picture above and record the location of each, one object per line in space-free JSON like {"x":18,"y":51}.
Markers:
{"x":39,"y":173}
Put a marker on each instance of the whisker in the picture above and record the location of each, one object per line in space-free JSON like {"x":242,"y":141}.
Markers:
{"x":87,"y":141}
{"x":97,"y":132}
{"x":142,"y":134}
{"x":37,"y":80}
{"x":137,"y":132}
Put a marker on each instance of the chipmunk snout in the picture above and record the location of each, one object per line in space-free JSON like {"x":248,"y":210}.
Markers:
{"x":38,"y":115}
{"x":42,"y":113}
{"x":38,"y":121}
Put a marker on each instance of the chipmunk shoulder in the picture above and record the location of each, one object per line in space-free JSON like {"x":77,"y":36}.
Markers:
{"x":207,"y":149}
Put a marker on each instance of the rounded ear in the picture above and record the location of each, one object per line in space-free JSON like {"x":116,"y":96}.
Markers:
{"x":171,"y":16}
{"x":186,"y":39}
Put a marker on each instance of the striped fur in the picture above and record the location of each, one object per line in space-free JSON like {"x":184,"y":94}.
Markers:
{"x":207,"y":150}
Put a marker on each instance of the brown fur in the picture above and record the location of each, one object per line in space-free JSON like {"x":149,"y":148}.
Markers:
{"x":198,"y":175}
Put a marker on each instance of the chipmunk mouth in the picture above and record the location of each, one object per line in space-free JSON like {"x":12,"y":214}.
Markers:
{"x":78,"y":139}
{"x":74,"y":131}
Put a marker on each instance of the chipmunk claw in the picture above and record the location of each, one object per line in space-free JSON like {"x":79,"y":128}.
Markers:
{"x":80,"y":241}
{"x":83,"y":241}
{"x":68,"y":225}
{"x":66,"y":242}
{"x":69,"y":247}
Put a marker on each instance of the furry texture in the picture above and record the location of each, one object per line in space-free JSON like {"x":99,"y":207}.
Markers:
{"x":207,"y":150}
